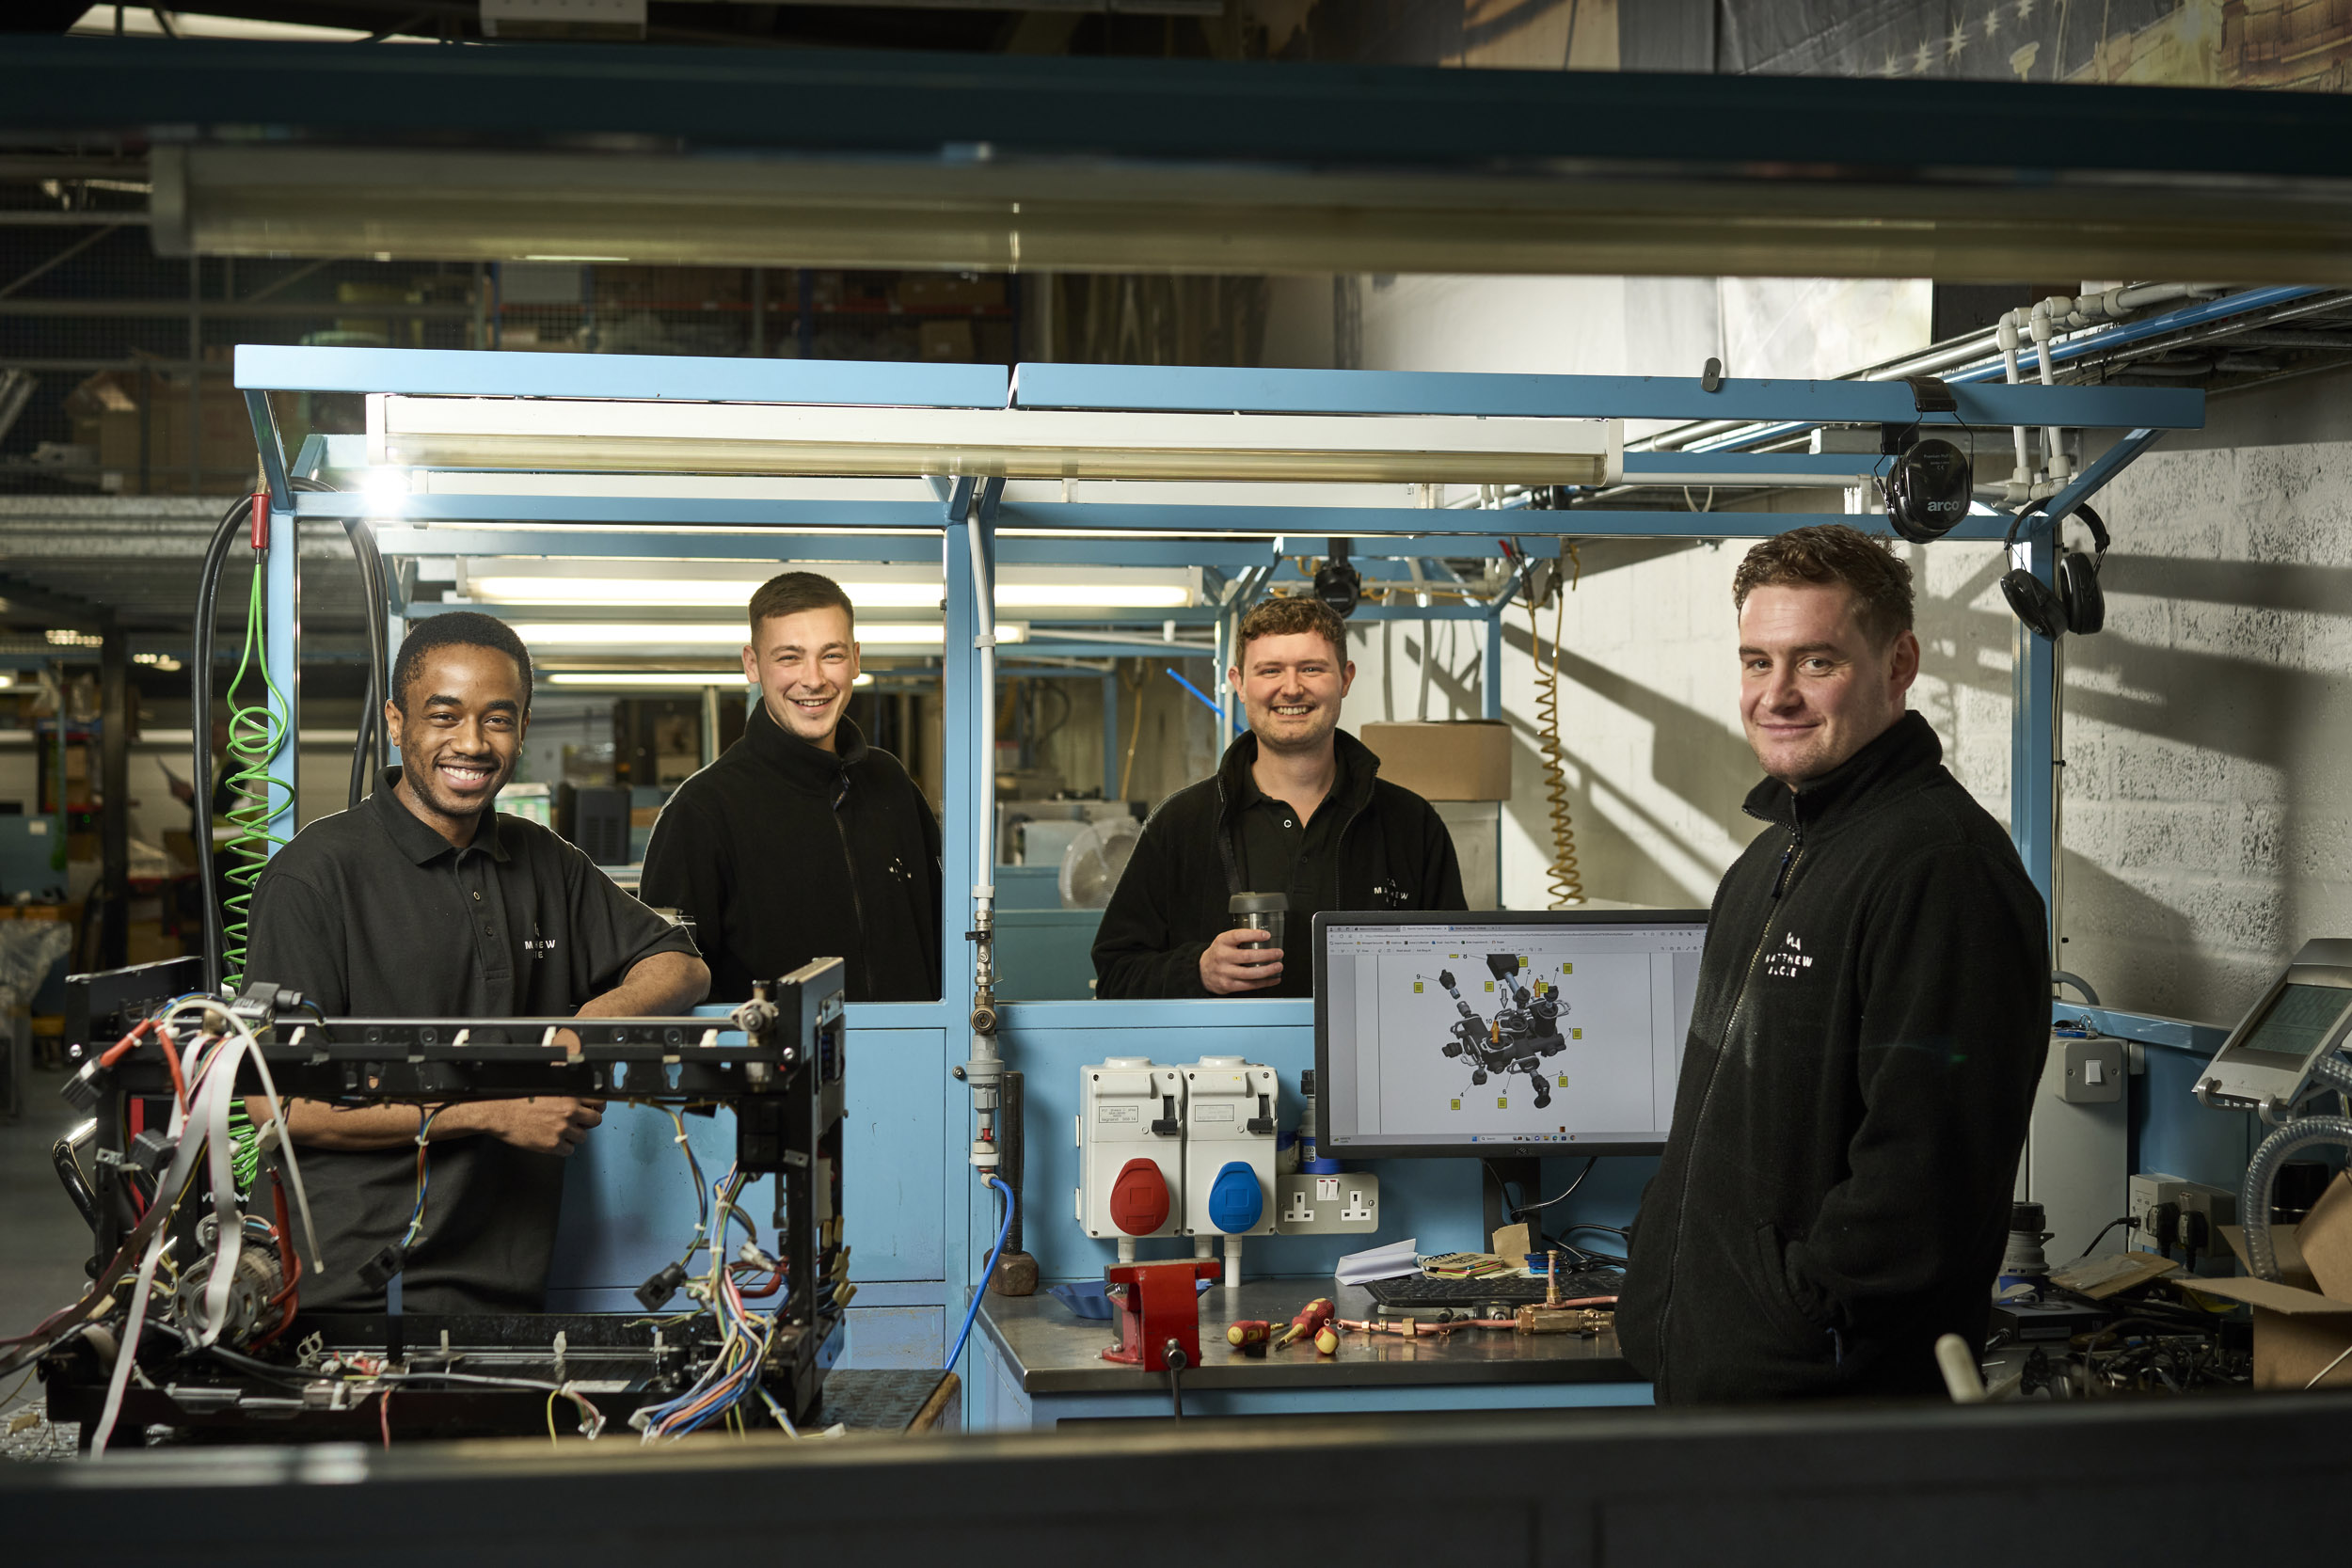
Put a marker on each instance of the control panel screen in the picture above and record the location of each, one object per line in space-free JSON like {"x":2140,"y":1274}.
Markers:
{"x":2297,"y":1021}
{"x":1452,"y":1034}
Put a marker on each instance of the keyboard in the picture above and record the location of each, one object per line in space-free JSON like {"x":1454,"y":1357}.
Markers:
{"x":1421,"y":1291}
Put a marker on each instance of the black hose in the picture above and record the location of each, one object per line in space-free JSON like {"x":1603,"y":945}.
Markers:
{"x":200,"y":684}
{"x":367,"y":749}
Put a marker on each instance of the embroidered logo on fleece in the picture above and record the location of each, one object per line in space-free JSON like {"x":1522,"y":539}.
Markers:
{"x":1790,"y":959}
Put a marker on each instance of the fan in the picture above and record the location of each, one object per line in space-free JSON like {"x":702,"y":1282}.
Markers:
{"x":1094,"y":862}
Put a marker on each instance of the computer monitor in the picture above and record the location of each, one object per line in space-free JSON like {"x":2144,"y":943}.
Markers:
{"x":1502,"y":1032}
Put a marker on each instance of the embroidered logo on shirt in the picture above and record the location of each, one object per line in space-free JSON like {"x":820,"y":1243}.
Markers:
{"x":537,"y":943}
{"x":1789,"y":959}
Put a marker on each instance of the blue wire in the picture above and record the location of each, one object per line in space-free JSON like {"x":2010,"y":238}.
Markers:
{"x":1206,"y":701}
{"x":986,"y":1273}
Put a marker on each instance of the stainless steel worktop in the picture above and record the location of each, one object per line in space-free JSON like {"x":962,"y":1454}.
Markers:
{"x":1054,"y":1352}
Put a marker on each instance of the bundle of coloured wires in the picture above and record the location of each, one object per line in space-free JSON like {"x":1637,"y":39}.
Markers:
{"x":745,"y":1336}
{"x":425,"y":1179}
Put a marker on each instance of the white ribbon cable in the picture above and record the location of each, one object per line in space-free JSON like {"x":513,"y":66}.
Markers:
{"x":212,"y":1102}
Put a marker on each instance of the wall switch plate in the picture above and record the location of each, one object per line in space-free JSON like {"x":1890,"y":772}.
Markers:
{"x":1327,"y":1205}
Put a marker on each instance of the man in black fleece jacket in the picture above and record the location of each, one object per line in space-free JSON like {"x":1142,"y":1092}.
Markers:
{"x":1872,"y":1018}
{"x":802,"y":841}
{"x":1298,"y":807}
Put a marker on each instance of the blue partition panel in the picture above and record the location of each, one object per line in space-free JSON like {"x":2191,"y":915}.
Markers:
{"x":892,"y":1142}
{"x":629,"y":1205}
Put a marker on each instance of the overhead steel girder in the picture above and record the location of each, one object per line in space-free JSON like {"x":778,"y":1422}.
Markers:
{"x":857,"y":159}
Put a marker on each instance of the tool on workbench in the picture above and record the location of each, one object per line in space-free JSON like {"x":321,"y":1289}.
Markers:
{"x":1310,"y":1321}
{"x":1159,"y":1304}
{"x":1249,"y":1336}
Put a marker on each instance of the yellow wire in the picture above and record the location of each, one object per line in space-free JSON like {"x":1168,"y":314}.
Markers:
{"x":551,"y":1399}
{"x":1566,"y":883}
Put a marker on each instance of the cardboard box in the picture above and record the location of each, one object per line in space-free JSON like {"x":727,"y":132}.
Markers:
{"x":2302,"y":1322}
{"x":1467,"y":759}
{"x":949,"y":340}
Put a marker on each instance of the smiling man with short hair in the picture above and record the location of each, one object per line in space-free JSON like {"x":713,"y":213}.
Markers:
{"x":803,"y":841}
{"x":1872,"y":1012}
{"x":424,"y":902}
{"x":1297,"y":808}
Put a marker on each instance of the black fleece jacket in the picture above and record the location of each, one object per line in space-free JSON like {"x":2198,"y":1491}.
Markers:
{"x":1391,"y":852}
{"x":1871,"y":1019}
{"x":783,"y":852}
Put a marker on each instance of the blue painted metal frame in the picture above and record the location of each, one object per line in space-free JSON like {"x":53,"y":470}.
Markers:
{"x":944,"y":531}
{"x":1205,"y":390}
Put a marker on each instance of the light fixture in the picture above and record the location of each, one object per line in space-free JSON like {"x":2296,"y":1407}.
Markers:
{"x":663,"y":677}
{"x":704,"y":634}
{"x":8,"y":680}
{"x":1105,"y":592}
{"x":654,"y":436}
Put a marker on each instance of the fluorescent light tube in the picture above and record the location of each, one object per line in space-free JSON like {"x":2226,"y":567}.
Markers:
{"x":1109,"y":594}
{"x":704,"y":634}
{"x":651,"y":436}
{"x":663,"y":677}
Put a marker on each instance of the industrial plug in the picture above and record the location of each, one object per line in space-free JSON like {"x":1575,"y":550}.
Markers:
{"x":379,"y":1271}
{"x":655,"y":1292}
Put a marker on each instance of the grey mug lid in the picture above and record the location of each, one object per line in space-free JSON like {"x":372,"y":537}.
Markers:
{"x":1258,"y":903}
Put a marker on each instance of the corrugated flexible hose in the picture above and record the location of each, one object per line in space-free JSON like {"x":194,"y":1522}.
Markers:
{"x":1565,"y":882}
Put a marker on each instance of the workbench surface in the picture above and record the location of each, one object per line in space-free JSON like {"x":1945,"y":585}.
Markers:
{"x":1053,"y":1352}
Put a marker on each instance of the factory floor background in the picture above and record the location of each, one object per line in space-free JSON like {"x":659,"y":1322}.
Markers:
{"x":43,"y":1239}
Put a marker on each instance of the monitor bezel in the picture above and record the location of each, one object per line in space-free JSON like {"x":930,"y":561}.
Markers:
{"x":1325,"y":919}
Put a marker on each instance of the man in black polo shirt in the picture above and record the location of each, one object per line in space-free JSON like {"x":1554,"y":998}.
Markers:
{"x":423,"y":902}
{"x":1297,"y":808}
{"x":803,"y":841}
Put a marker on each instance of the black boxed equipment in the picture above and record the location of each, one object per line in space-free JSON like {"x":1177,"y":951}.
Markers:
{"x":595,"y":819}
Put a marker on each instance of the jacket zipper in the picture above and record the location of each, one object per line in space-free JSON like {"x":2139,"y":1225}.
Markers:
{"x":1781,"y":879}
{"x":857,"y":906}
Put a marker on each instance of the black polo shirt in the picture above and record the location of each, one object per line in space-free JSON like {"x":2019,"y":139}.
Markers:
{"x":371,"y":914}
{"x":1280,"y":853}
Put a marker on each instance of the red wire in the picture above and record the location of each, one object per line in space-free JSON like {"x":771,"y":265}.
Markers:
{"x":384,"y":1416}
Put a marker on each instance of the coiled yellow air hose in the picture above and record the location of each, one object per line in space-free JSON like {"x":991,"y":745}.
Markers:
{"x":1565,"y":882}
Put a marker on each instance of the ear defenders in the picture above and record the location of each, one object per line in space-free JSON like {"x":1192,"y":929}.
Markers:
{"x":1929,"y":490}
{"x":2076,"y":604}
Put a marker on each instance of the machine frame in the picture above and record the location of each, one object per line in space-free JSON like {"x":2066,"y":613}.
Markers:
{"x":778,"y":1062}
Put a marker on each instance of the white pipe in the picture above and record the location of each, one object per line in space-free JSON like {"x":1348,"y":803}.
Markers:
{"x":2006,"y":336}
{"x":983,"y":1070}
{"x":2044,"y":328}
{"x":2086,"y":311}
{"x":984,"y":639}
{"x":1233,"y":1262}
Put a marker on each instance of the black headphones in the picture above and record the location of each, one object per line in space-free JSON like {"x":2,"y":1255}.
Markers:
{"x":2076,"y":604}
{"x":1929,"y":491}
{"x":1932,"y":482}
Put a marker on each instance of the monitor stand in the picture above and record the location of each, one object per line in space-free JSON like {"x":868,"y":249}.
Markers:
{"x":1523,"y":1172}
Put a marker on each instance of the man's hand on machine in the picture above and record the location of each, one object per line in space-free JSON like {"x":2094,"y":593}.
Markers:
{"x":543,"y":1124}
{"x":1229,"y":968}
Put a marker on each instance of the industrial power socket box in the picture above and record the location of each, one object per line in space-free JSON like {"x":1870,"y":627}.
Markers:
{"x":2198,"y":1213}
{"x":1328,"y":1204}
{"x":1130,"y":1148}
{"x":1230,"y":1114}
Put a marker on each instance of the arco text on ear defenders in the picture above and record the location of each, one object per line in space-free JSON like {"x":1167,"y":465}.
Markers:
{"x":2076,"y":604}
{"x":1929,"y":489}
